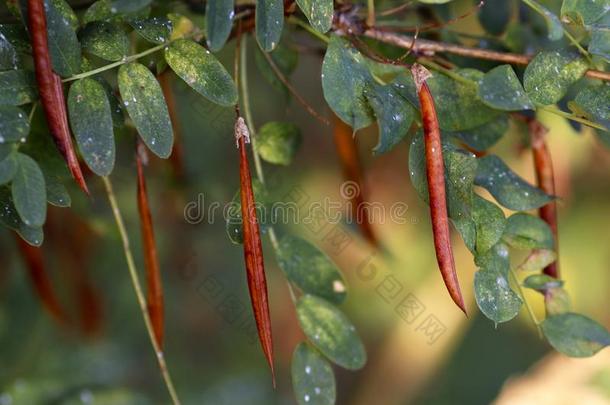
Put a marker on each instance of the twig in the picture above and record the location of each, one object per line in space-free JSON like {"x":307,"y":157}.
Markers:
{"x":293,"y":91}
{"x":139,"y":291}
{"x":428,"y":47}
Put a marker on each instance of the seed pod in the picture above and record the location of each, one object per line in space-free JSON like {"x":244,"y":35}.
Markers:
{"x":253,"y":249}
{"x":154,"y":295}
{"x":352,"y":173}
{"x":435,"y":168}
{"x":34,"y":262}
{"x":51,"y":91}
{"x":546,"y":181}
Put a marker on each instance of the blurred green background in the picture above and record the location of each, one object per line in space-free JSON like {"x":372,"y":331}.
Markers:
{"x":211,"y":346}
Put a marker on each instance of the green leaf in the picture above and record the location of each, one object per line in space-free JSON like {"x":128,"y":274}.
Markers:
{"x":91,"y":122}
{"x":556,"y":301}
{"x":592,"y":103}
{"x":490,"y":223}
{"x":278,"y":142}
{"x":29,"y":192}
{"x":460,"y":169}
{"x":17,"y":87}
{"x":285,"y":58}
{"x":600,"y":41}
{"x":98,"y":11}
{"x":584,"y":12}
{"x":202,"y":71}
{"x":575,"y":335}
{"x":57,"y":194}
{"x":310,"y":269}
{"x":525,"y":231}
{"x":9,"y":58}
{"x":10,"y":218}
{"x":550,"y":73}
{"x":500,"y":89}
{"x":553,"y":24}
{"x":8,"y":168}
{"x":318,"y":12}
{"x":219,"y":21}
{"x":394,"y":115}
{"x":537,"y":260}
{"x":331,"y":332}
{"x":17,"y":37}
{"x":14,"y":124}
{"x":313,"y":379}
{"x":143,"y":99}
{"x":128,"y":6}
{"x":541,"y":282}
{"x":344,"y":80}
{"x":269,"y":23}
{"x":63,"y":44}
{"x":493,"y":294}
{"x":104,"y":40}
{"x":156,"y":30}
{"x":508,"y":188}
{"x":495,"y":16}
{"x":483,"y":137}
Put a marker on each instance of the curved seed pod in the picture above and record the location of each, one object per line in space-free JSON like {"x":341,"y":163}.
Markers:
{"x":154,"y":295}
{"x":253,"y":249}
{"x":51,"y":91}
{"x":34,"y":262}
{"x":352,"y":172}
{"x":546,"y":181}
{"x":435,"y":168}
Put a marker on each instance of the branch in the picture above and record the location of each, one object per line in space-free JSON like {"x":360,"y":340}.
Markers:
{"x":428,"y":47}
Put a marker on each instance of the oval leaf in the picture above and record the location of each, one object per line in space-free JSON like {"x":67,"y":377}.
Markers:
{"x":507,"y":187}
{"x":485,"y":136}
{"x":156,"y":30}
{"x":104,"y":40}
{"x":269,"y":23}
{"x":8,"y":168}
{"x":550,"y":73}
{"x":318,"y":12}
{"x":91,"y":122}
{"x":313,"y":379}
{"x":310,"y":269}
{"x":29,"y":192}
{"x":64,"y":47}
{"x":500,"y":89}
{"x":575,"y":335}
{"x":525,"y":231}
{"x":202,"y":71}
{"x":17,"y":87}
{"x":14,"y":124}
{"x":143,"y":99}
{"x":278,"y":142}
{"x":331,"y":332}
{"x":219,"y":21}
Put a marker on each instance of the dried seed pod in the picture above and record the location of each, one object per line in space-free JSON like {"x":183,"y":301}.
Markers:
{"x":51,"y":91}
{"x":435,"y":168}
{"x":253,"y":249}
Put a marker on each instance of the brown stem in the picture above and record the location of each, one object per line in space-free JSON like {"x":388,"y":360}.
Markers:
{"x":435,"y":171}
{"x":546,"y":181}
{"x":428,"y":47}
{"x":352,"y":172}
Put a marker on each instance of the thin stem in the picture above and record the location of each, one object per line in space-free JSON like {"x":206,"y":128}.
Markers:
{"x":243,"y":70}
{"x":370,"y":19}
{"x":570,"y":116}
{"x":138,"y":290}
{"x":529,"y":308}
{"x":308,"y":28}
{"x":574,"y":42}
{"x":123,"y":61}
{"x":447,"y":72}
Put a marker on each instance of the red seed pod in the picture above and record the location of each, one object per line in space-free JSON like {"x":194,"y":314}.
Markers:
{"x":546,"y":181}
{"x":34,"y":262}
{"x":51,"y":91}
{"x":352,"y":172}
{"x":435,"y":168}
{"x":253,"y":249}
{"x":154,"y":295}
